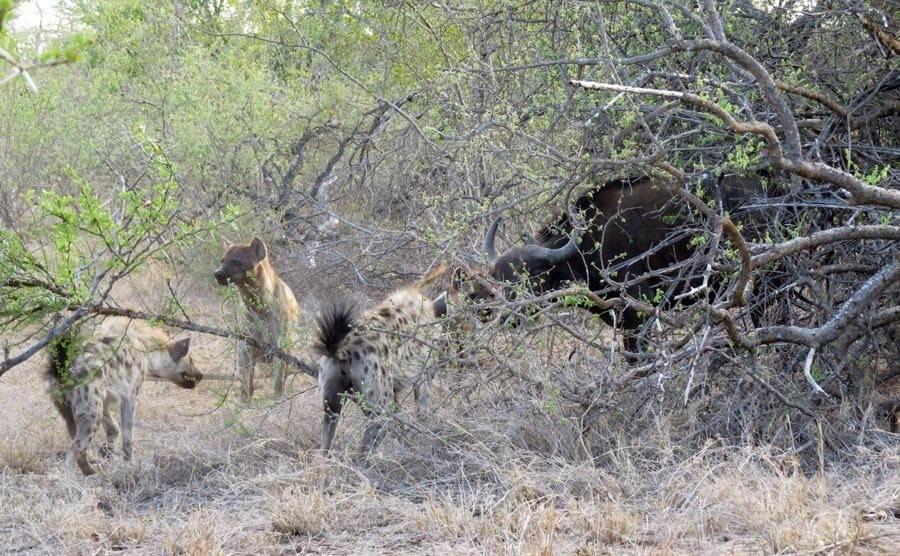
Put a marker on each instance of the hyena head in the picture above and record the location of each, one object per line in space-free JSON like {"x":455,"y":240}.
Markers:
{"x":240,"y":260}
{"x":173,"y":363}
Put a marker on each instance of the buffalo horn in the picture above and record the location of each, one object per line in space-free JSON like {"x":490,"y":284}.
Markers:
{"x":489,"y":239}
{"x":558,"y":254}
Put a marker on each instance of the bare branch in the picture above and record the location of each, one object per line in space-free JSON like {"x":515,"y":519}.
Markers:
{"x":55,"y":331}
{"x":807,"y":372}
{"x":102,"y":310}
{"x":861,"y":191}
{"x":881,"y":33}
{"x":824,"y":237}
{"x":743,"y":282}
{"x":822,"y":335}
{"x":186,"y":325}
{"x":887,"y":109}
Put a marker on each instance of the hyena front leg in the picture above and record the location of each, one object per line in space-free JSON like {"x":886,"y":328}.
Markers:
{"x":422,"y":385}
{"x":127,"y":413}
{"x":86,"y":415}
{"x":67,"y":416}
{"x":278,"y":371}
{"x":112,"y":430}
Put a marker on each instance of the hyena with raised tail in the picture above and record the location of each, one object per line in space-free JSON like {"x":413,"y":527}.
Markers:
{"x":272,"y":309}
{"x":89,"y":374}
{"x":377,"y":356}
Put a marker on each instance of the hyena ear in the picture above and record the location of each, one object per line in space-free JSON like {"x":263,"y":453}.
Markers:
{"x":258,"y":248}
{"x":179,"y":349}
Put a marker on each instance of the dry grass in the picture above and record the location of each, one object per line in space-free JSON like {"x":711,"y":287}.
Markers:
{"x":494,"y":474}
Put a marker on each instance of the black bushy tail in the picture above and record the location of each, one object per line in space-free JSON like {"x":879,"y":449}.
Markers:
{"x":335,"y":320}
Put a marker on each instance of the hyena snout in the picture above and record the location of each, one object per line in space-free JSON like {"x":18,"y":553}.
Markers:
{"x":184,"y":373}
{"x":189,"y":380}
{"x":222,"y":277}
{"x":189,"y":375}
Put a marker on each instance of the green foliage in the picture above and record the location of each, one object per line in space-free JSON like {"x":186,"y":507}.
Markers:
{"x":69,"y":49}
{"x":84,"y":242}
{"x":577,"y":301}
{"x":698,"y":240}
{"x":63,"y":350}
{"x":747,"y":152}
{"x":876,"y":174}
{"x":659,"y":295}
{"x":59,"y":51}
{"x":6,"y":12}
{"x":234,"y":422}
{"x":551,"y":404}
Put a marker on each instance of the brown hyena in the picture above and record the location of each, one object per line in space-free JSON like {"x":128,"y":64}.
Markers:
{"x":377,"y":356}
{"x":272,"y":310}
{"x":89,"y":374}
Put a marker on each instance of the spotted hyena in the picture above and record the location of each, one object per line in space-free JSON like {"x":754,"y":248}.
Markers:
{"x":376,"y":356}
{"x":89,"y":374}
{"x":272,"y":309}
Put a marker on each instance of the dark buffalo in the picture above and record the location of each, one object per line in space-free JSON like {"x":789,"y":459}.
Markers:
{"x":632,"y":228}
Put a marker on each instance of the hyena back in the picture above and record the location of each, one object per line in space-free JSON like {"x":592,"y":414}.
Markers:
{"x":378,"y":356}
{"x":272,"y":309}
{"x":88,"y":375}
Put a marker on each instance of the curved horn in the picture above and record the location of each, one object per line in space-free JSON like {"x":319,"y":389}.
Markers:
{"x":489,"y":239}
{"x":556,"y":255}
{"x":570,"y":249}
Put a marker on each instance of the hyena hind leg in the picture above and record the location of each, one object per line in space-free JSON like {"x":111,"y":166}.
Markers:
{"x":422,"y":395}
{"x":371,"y":436}
{"x":112,"y":430}
{"x":332,"y":388}
{"x":329,"y":426}
{"x":127,"y":413}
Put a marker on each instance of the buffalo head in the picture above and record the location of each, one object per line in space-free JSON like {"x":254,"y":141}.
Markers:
{"x":528,"y":260}
{"x":533,"y":266}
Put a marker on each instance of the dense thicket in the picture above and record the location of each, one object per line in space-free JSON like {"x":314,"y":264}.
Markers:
{"x":372,"y":139}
